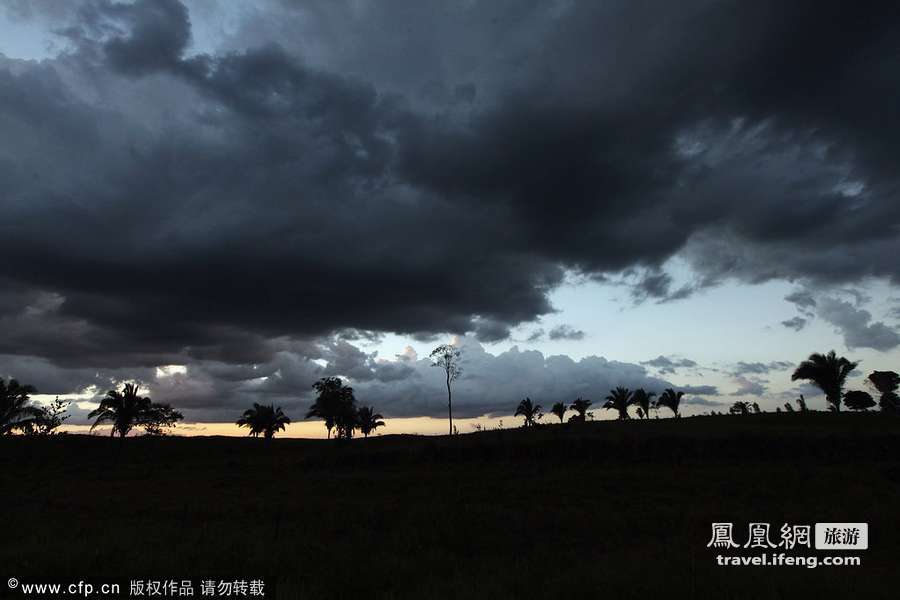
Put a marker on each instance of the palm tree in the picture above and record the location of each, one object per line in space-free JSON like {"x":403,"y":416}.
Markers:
{"x":828,"y":372}
{"x":263,"y":419}
{"x":333,"y":404}
{"x":886,"y":382}
{"x":644,"y":400}
{"x":369,"y":420}
{"x":580,"y":406}
{"x":671,"y":400}
{"x":121,"y":409}
{"x":16,"y":411}
{"x":619,"y":399}
{"x":559,"y":409}
{"x":529,"y":410}
{"x":127,"y":410}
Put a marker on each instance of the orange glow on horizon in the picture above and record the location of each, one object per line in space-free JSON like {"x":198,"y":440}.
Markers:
{"x":316,"y":429}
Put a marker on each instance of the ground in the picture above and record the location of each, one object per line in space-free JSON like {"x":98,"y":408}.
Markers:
{"x":608,"y":509}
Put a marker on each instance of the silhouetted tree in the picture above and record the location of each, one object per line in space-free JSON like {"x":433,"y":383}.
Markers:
{"x":334,"y":402}
{"x":828,"y":372}
{"x":264,"y":419}
{"x":755,"y":408}
{"x":446,"y":357}
{"x":369,"y":420}
{"x":788,"y":407}
{"x":644,"y":401}
{"x":886,"y":383}
{"x":347,"y":418}
{"x":127,"y":410}
{"x":619,"y":399}
{"x":580,"y":406}
{"x":559,"y":409}
{"x":801,"y":403}
{"x":671,"y":400}
{"x":16,"y":410}
{"x":740,"y":408}
{"x":160,"y":417}
{"x":50,"y":419}
{"x":530,"y":411}
{"x":858,"y":400}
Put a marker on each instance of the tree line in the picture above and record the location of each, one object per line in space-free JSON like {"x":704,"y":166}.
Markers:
{"x":336,"y":405}
{"x":828,"y":372}
{"x":619,"y":399}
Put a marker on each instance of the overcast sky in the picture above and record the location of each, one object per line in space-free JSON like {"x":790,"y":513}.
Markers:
{"x":226,"y":201}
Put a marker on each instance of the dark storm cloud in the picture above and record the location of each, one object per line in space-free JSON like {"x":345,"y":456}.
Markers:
{"x":424,"y":171}
{"x":156,"y":35}
{"x":236,"y":223}
{"x":692,"y":162}
{"x":357,"y":335}
{"x":57,"y":381}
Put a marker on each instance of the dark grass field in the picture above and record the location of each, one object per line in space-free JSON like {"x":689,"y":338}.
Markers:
{"x":601,"y":510}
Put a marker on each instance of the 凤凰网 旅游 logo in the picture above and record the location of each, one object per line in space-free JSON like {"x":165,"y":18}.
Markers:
{"x":827,"y":536}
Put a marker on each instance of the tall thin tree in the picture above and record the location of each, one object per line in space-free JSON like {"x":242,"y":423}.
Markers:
{"x":447,"y":357}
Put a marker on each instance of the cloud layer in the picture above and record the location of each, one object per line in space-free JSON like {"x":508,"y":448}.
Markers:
{"x":167,"y":200}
